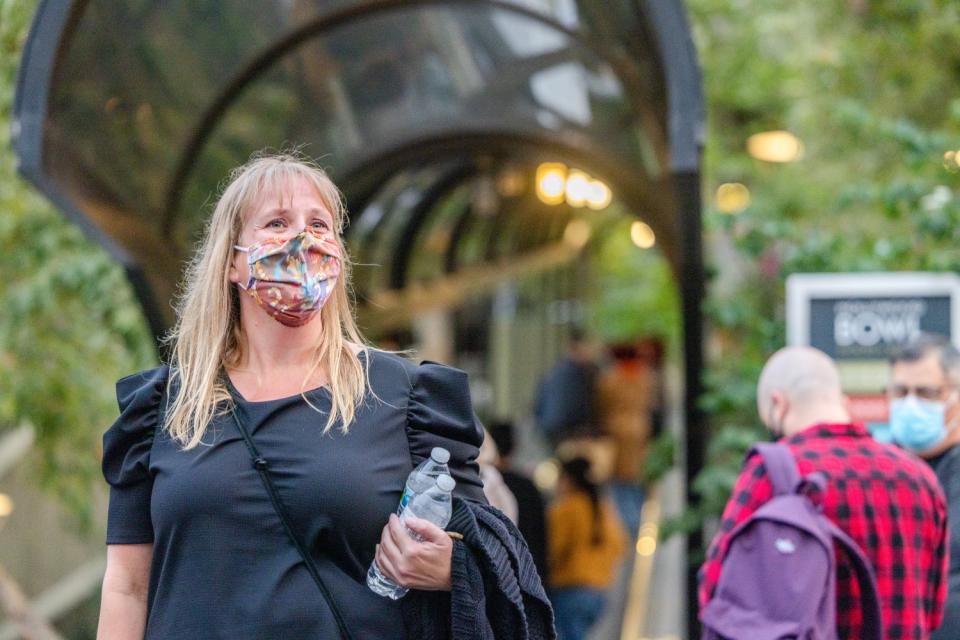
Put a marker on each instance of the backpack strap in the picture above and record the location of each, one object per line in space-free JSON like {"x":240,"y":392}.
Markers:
{"x":869,"y":598}
{"x":780,"y":465}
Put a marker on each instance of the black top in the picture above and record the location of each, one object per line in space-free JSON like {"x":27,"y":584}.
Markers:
{"x":222,"y":565}
{"x":947,"y":468}
{"x":532,"y":520}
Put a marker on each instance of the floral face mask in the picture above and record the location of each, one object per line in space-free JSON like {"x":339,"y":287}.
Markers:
{"x":292,"y":279}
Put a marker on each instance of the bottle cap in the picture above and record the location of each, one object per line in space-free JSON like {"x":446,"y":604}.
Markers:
{"x":446,"y":483}
{"x":441,"y":455}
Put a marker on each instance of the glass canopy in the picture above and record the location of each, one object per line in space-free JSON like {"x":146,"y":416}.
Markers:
{"x":131,"y":114}
{"x":431,"y":115}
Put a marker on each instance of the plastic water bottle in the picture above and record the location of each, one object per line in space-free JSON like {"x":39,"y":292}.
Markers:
{"x":425,"y":476}
{"x":435,"y":505}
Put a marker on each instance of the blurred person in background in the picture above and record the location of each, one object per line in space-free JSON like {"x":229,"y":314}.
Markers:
{"x":564,"y":405}
{"x":625,"y":401}
{"x":885,"y":499}
{"x":494,"y":488}
{"x":651,"y":352}
{"x":587,"y":542}
{"x":925,"y":419}
{"x":532,"y":520}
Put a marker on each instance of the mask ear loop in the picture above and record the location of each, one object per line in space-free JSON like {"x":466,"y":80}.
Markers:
{"x":246,"y":250}
{"x":952,"y":400}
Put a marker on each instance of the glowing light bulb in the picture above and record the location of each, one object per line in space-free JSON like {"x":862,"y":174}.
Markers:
{"x":546,"y":474}
{"x":6,"y":505}
{"x":775,"y":146}
{"x":642,"y":235}
{"x":600,"y":195}
{"x":551,"y":182}
{"x":578,"y":188}
{"x":732,"y":197}
{"x":646,"y":545}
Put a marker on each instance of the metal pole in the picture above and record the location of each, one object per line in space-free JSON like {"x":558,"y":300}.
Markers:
{"x":692,"y":290}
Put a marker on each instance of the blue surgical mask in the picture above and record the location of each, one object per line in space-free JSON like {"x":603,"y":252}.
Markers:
{"x":917,"y":425}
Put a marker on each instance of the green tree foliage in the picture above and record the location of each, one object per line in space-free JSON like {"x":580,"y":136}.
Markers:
{"x":869,"y":86}
{"x":70,"y":325}
{"x":633,"y":293}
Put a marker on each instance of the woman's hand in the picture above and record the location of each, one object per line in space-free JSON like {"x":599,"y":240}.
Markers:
{"x":415,"y":564}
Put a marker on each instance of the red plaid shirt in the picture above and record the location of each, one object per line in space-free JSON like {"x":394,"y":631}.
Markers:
{"x":888,"y":501}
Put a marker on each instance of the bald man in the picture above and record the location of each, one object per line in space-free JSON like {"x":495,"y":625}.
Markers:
{"x":885,"y":499}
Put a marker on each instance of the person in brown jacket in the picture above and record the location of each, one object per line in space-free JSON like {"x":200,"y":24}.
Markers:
{"x":625,"y":402}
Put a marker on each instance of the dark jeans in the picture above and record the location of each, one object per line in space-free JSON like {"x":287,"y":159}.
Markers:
{"x":576,"y":609}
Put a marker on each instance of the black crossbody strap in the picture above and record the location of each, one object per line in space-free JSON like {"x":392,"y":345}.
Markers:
{"x":262,"y":467}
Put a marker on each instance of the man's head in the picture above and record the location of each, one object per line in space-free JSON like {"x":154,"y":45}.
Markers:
{"x":579,"y":347}
{"x":503,"y":435}
{"x":800,"y":387}
{"x":923,"y":394}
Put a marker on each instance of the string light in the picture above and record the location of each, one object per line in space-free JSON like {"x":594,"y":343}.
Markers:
{"x":551,"y":182}
{"x":6,"y":505}
{"x":557,"y":183}
{"x":600,"y":195}
{"x":642,"y":235}
{"x":732,"y":197}
{"x":775,"y":146}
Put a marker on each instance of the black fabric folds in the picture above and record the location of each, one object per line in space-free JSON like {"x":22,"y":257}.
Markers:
{"x":126,"y":456}
{"x":440,"y":414}
{"x":497,"y":593}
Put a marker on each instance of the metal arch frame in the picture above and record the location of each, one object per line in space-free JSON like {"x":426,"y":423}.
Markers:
{"x":481,"y":141}
{"x":461,"y":229}
{"x":418,"y":216}
{"x":361,"y":196}
{"x":53,"y":21}
{"x":38,"y":60}
{"x":369,"y":171}
{"x":316,"y":27}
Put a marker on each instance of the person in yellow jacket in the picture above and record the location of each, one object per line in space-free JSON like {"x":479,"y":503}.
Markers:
{"x":586,"y":544}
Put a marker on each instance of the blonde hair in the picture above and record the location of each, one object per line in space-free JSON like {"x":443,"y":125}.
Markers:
{"x":207,"y":336}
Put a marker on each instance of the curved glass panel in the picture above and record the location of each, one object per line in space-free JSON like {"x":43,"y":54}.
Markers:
{"x":375,"y":237}
{"x":395,"y":77}
{"x":428,"y":253}
{"x":131,"y":80}
{"x":151,"y":104}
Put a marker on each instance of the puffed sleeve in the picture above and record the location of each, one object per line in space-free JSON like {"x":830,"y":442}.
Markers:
{"x":126,"y":456}
{"x":440,"y":414}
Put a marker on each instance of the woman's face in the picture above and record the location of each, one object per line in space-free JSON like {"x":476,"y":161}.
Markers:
{"x":282,"y":212}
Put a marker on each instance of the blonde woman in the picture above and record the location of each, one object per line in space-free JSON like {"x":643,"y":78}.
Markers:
{"x":265,"y":345}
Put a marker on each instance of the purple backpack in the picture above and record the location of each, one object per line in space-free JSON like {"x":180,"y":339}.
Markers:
{"x":779,"y":572}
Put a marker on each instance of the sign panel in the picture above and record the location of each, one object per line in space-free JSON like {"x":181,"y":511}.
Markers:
{"x":860,"y":320}
{"x":849,"y":328}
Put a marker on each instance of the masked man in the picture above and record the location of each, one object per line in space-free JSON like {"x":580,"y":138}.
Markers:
{"x":924,"y":396}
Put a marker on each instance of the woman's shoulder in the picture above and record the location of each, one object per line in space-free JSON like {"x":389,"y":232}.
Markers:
{"x":437,"y":397}
{"x":127,"y":443}
{"x":148,"y":380}
{"x":423,"y":378}
{"x":389,"y":362}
